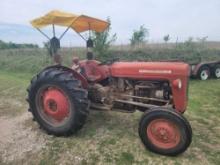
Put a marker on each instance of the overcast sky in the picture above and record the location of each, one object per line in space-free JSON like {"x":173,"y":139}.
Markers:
{"x":179,"y":18}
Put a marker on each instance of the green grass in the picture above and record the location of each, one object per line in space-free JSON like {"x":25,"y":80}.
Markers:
{"x":13,"y":92}
{"x":112,"y":137}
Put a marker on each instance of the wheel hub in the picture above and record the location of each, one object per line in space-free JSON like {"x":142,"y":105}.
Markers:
{"x":52,"y":105}
{"x":163,"y":133}
{"x":55,"y":104}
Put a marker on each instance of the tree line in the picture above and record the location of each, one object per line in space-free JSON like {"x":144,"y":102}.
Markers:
{"x":139,"y":37}
{"x":11,"y":45}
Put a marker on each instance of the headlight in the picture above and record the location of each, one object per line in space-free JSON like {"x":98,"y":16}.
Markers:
{"x":177,"y":83}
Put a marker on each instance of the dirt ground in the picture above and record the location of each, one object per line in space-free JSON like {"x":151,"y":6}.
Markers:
{"x":17,"y":139}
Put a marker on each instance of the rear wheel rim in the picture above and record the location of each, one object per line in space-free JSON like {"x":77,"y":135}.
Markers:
{"x":204,"y":74}
{"x":53,"y":105}
{"x":217,"y":72}
{"x":163,"y":133}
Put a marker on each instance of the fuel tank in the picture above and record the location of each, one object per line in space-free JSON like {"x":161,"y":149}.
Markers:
{"x":151,"y":70}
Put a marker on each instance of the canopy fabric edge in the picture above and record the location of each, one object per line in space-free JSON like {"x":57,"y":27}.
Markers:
{"x":79,"y":23}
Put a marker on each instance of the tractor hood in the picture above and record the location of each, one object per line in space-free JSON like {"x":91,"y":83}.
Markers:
{"x":161,"y":70}
{"x":177,"y":73}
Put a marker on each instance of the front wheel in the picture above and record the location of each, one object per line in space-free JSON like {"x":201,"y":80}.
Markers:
{"x":165,"y":132}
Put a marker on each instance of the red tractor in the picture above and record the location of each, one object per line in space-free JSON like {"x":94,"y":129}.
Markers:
{"x":60,"y":98}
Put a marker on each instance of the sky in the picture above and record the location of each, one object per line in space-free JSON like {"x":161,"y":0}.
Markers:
{"x":178,"y":18}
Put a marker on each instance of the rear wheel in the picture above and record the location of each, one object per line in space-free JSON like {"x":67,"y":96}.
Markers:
{"x":165,"y":132}
{"x":217,"y":71}
{"x":204,"y":73}
{"x":57,"y":102}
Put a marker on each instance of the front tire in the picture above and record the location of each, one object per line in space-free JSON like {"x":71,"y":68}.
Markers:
{"x":58,"y":102}
{"x":165,"y":132}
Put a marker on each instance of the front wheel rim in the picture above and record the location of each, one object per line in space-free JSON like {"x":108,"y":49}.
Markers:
{"x":163,"y":133}
{"x":217,"y":72}
{"x":204,"y":75}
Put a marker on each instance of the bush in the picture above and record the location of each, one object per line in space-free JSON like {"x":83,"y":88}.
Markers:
{"x":139,"y":36}
{"x":102,"y":42}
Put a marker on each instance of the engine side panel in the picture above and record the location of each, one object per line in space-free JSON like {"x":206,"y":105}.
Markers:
{"x":168,"y":71}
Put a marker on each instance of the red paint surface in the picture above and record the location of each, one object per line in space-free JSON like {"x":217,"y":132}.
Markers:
{"x":165,"y":71}
{"x":93,"y":71}
{"x":168,"y":71}
{"x":55,"y":104}
{"x":163,"y":133}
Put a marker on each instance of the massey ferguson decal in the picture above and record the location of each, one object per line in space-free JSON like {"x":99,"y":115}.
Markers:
{"x":155,"y":71}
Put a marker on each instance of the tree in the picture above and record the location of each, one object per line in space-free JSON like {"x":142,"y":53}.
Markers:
{"x":139,"y":36}
{"x":166,"y":38}
{"x":189,"y":44}
{"x":202,"y":39}
{"x":102,"y":42}
{"x":202,"y":42}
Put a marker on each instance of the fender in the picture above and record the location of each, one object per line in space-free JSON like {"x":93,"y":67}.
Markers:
{"x":75,"y":74}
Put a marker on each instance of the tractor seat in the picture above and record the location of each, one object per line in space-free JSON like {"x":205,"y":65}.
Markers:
{"x":90,"y":70}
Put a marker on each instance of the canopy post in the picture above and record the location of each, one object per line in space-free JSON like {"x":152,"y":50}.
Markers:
{"x":54,"y":32}
{"x":89,"y":30}
{"x":67,"y":29}
{"x":74,"y":30}
{"x":43,"y":33}
{"x":64,"y":33}
{"x":81,"y":36}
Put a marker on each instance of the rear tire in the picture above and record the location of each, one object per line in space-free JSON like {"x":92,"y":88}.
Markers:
{"x":165,"y":132}
{"x":58,"y":102}
{"x":216,"y":71}
{"x":204,"y":73}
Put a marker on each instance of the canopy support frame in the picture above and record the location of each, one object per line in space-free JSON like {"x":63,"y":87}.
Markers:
{"x":43,"y":33}
{"x":89,"y":29}
{"x":38,"y":23}
{"x":61,"y":36}
{"x":81,"y":35}
{"x":67,"y":29}
{"x":54,"y":32}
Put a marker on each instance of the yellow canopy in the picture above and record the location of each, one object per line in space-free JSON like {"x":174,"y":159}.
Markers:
{"x":79,"y":23}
